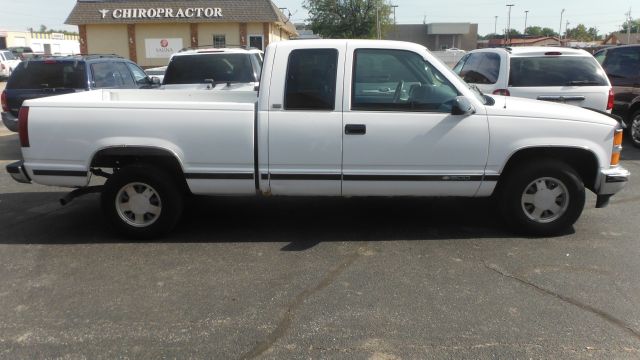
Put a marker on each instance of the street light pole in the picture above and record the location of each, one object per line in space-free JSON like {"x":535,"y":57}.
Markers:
{"x":508,"y":23}
{"x":560,"y":30}
{"x":495,"y":27}
{"x":395,"y":29}
{"x":526,"y":14}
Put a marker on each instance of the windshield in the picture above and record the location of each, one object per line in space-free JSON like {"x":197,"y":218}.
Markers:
{"x":8,"y":55}
{"x":221,"y":68}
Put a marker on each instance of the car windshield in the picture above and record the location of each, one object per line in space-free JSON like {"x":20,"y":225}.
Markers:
{"x":556,"y":71}
{"x":8,"y":55}
{"x":48,"y":75}
{"x":221,"y":68}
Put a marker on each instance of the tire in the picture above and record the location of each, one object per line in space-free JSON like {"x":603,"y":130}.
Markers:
{"x":142,"y":201}
{"x":634,"y":129}
{"x":542,"y":199}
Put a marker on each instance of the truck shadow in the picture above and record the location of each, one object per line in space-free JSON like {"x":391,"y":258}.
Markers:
{"x":298,"y":223}
{"x":629,"y":152}
{"x":9,"y":146}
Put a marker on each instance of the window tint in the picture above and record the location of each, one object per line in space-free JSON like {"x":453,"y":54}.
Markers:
{"x":221,"y":67}
{"x":623,"y":63}
{"x":48,"y":75}
{"x":139,"y":76}
{"x":111,"y":75}
{"x":556,"y":71}
{"x":311,"y":79}
{"x":481,"y":68}
{"x":398,"y":80}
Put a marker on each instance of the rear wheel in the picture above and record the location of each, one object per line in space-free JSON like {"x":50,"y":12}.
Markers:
{"x":544,"y":198}
{"x":634,"y":129}
{"x":142,"y":201}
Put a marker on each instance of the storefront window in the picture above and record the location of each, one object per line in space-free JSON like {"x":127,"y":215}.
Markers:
{"x":219,"y":41}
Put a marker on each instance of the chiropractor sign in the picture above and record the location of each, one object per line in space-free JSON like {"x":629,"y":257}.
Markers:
{"x":162,"y":13}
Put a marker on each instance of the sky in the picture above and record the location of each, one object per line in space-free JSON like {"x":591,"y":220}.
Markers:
{"x":606,"y":15}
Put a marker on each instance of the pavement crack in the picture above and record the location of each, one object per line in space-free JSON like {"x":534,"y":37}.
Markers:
{"x":285,"y":323}
{"x":602,"y":314}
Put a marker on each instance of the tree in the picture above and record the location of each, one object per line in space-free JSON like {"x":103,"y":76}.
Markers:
{"x":354,"y":19}
{"x":43,"y":28}
{"x":579,"y":33}
{"x":548,"y":32}
{"x":635,"y":26}
{"x":539,"y":31}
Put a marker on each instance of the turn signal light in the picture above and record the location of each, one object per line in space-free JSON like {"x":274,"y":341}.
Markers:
{"x":615,"y":158}
{"x":617,"y":138}
{"x":617,"y":147}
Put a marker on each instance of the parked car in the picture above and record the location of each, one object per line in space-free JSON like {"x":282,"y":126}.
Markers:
{"x":8,"y":62}
{"x":563,"y":75}
{"x":157,"y":72}
{"x":42,"y":77}
{"x":622,"y":65}
{"x":214,"y":68}
{"x":333,"y":118}
{"x":22,"y":52}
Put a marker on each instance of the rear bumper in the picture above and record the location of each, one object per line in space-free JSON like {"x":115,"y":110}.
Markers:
{"x":10,"y":121}
{"x":18,"y":173}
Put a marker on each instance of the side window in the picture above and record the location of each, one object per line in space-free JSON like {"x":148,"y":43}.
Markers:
{"x":398,"y":80}
{"x":600,"y":56}
{"x":139,"y":76}
{"x":111,"y":75}
{"x":460,"y":64}
{"x":622,"y":63}
{"x":311,"y":79}
{"x":481,"y":68}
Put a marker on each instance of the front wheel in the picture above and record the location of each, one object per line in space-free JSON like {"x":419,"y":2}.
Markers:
{"x":544,"y":198}
{"x":634,"y":131}
{"x":142,"y":201}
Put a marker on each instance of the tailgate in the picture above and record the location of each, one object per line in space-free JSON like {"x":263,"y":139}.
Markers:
{"x":594,"y":97}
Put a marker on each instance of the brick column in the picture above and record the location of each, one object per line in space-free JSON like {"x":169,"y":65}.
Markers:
{"x":194,"y":35}
{"x":84,"y":46}
{"x":131,"y":35}
{"x":266,"y":31}
{"x":243,"y":34}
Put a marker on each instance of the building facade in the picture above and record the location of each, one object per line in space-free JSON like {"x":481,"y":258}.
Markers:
{"x":437,"y":36}
{"x":41,"y":42}
{"x":149,"y":31}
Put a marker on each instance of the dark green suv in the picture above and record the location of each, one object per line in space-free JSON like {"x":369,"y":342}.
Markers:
{"x":622,"y":65}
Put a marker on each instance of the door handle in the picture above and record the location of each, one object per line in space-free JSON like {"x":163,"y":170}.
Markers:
{"x":355,"y":129}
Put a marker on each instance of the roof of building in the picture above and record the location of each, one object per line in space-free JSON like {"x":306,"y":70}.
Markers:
{"x":524,"y":41}
{"x":110,"y":12}
{"x":622,"y":39}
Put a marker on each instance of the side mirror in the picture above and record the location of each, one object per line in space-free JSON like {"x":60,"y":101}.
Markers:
{"x":462,"y":106}
{"x":155,"y":81}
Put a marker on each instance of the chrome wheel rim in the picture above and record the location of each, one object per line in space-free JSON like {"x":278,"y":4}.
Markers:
{"x":635,"y":129}
{"x":545,"y":200}
{"x":138,"y":204}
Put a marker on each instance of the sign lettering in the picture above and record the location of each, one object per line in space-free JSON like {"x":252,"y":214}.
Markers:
{"x":162,"y":13}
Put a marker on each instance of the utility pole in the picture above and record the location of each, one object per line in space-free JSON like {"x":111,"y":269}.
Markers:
{"x":377,"y":23}
{"x":560,"y":30}
{"x":495,"y":27}
{"x":628,"y":26}
{"x":566,"y":30}
{"x":395,"y":29}
{"x":526,"y":14}
{"x":508,"y":24}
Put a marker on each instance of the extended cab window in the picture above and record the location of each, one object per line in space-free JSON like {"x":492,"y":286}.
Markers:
{"x":311,"y":79}
{"x":480,"y":68}
{"x":398,"y":80}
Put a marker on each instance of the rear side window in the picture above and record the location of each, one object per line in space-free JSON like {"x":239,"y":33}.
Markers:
{"x":311,"y":79}
{"x":111,"y":75}
{"x":48,"y":75}
{"x":219,"y":67}
{"x":481,"y":68}
{"x":8,"y":55}
{"x":623,"y":63}
{"x":556,"y":71}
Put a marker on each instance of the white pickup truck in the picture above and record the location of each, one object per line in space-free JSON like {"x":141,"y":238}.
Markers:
{"x":332,"y":118}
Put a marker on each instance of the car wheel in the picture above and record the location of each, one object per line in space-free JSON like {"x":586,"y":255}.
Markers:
{"x":544,"y":198}
{"x":634,"y":129}
{"x":142,"y":201}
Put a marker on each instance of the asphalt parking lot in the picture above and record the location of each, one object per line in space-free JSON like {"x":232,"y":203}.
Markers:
{"x":315,"y":278}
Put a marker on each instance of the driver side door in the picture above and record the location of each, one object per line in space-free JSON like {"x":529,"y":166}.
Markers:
{"x":399,"y":136}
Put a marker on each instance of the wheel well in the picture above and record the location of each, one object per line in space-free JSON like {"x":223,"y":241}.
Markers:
{"x":119,"y":157}
{"x":632,"y":110}
{"x":584,"y":162}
